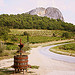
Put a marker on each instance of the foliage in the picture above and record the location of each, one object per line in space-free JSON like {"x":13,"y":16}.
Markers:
{"x":27,"y":21}
{"x":25,"y":33}
{"x":67,"y":49}
{"x":13,"y":38}
{"x":35,"y":32}
{"x":38,"y":36}
{"x":5,"y":71}
{"x":54,"y":35}
{"x":34,"y":67}
{"x":2,"y":48}
{"x":4,"y":33}
{"x":26,"y":47}
{"x":66,"y":35}
{"x":38,"y":39}
{"x":68,"y":46}
{"x":11,"y":47}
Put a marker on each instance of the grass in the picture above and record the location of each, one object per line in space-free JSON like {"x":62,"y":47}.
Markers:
{"x":5,"y":71}
{"x":38,"y":39}
{"x":34,"y":67}
{"x":35,"y":32}
{"x":59,"y":43}
{"x":61,"y":50}
{"x":36,"y":36}
{"x":7,"y":54}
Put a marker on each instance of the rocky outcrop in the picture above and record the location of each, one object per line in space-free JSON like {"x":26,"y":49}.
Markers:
{"x":50,"y":12}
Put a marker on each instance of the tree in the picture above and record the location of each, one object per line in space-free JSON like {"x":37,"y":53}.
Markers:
{"x":54,"y":35}
{"x":66,"y":35}
{"x":5,"y":37}
{"x":25,"y":33}
{"x":2,"y":48}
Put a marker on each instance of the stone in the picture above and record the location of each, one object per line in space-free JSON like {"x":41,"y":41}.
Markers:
{"x":50,"y":12}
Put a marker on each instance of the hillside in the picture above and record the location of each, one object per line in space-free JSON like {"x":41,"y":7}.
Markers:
{"x":27,"y":21}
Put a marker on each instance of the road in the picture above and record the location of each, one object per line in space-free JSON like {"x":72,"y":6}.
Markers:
{"x":45,"y":51}
{"x":47,"y":62}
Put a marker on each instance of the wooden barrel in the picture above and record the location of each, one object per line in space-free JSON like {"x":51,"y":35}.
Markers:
{"x":21,"y":62}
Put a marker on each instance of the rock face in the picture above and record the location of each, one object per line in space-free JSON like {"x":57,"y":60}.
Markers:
{"x":50,"y":12}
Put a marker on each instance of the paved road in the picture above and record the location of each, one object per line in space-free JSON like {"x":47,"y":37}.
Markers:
{"x":45,"y":51}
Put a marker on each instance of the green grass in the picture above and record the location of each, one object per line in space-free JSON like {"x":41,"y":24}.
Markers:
{"x":38,"y":39}
{"x":5,"y":71}
{"x":59,"y":43}
{"x":34,"y":67}
{"x":67,"y":49}
{"x":37,"y":36}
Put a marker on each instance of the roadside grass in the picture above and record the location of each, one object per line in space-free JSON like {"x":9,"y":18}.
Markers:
{"x":59,"y":43}
{"x":66,"y":51}
{"x":7,"y":54}
{"x":35,"y":67}
{"x":5,"y":71}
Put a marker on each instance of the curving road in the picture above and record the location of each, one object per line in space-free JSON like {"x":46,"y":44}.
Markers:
{"x":45,"y":51}
{"x":40,"y":56}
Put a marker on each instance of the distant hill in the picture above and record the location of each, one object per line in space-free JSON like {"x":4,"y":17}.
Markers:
{"x":27,"y":21}
{"x":50,"y":12}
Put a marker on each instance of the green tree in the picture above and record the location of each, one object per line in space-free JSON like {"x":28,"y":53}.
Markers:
{"x":2,"y":48}
{"x":66,"y":35}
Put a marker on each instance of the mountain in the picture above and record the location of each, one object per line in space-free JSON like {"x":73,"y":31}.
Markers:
{"x":50,"y":12}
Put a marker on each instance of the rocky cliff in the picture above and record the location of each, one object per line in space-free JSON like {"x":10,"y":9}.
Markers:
{"x":50,"y":12}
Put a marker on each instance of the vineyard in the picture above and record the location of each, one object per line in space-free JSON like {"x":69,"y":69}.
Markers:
{"x":35,"y":32}
{"x":37,"y":36}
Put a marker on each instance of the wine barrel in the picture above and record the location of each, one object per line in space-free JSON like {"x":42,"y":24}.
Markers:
{"x":20,"y":62}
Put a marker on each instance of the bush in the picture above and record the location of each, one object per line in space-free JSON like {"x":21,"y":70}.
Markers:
{"x":34,"y":67}
{"x":13,"y":38}
{"x":2,"y":48}
{"x":25,"y":33}
{"x":11,"y":47}
{"x":66,"y":35}
{"x":54,"y":35}
{"x":68,"y":46}
{"x":26,"y":47}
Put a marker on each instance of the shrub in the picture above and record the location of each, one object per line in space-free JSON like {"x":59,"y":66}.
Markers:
{"x":13,"y":38}
{"x":66,"y":35}
{"x":34,"y":67}
{"x":68,"y":46}
{"x":2,"y":48}
{"x":26,"y":47}
{"x":54,"y":35}
{"x":11,"y":47}
{"x":25,"y":33}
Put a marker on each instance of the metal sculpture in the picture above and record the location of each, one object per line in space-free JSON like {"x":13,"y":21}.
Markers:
{"x":21,"y":61}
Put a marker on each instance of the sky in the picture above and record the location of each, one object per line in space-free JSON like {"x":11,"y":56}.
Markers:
{"x":67,"y":7}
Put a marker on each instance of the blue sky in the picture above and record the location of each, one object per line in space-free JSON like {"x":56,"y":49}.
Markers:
{"x":67,"y":7}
